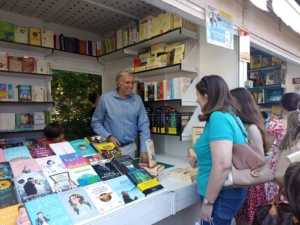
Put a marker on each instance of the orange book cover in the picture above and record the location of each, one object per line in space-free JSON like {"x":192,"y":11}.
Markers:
{"x":15,"y":64}
{"x":28,"y":65}
{"x":14,"y":214}
{"x":82,"y":47}
{"x":35,"y":36}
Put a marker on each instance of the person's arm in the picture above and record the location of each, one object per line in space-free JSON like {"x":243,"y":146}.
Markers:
{"x":98,"y":120}
{"x":143,"y":127}
{"x":255,"y":136}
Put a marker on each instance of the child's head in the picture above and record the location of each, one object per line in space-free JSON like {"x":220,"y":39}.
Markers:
{"x":54,"y":132}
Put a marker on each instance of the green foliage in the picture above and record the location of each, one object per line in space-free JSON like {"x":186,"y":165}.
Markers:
{"x":70,"y":91}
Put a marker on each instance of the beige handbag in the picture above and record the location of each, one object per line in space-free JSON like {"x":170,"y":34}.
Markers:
{"x":249,"y":165}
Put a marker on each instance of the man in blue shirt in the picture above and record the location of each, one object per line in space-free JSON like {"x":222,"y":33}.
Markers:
{"x":120,"y":115}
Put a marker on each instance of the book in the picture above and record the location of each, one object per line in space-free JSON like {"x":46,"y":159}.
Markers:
{"x":95,"y":158}
{"x":40,"y":150}
{"x":47,"y":39}
{"x":24,"y":166}
{"x":103,"y":197}
{"x":28,"y":65}
{"x":3,"y":61}
{"x":73,"y":160}
{"x":47,"y":210}
{"x":24,"y":93}
{"x":126,"y":164}
{"x":294,"y":157}
{"x":51,"y":165}
{"x":34,"y":36}
{"x":266,"y":62}
{"x":151,"y":153}
{"x":62,"y":148}
{"x":275,"y":95}
{"x":255,"y":61}
{"x":42,"y":66}
{"x":7,"y":121}
{"x":85,"y":175}
{"x":270,"y":79}
{"x":24,"y":119}
{"x":21,"y":34}
{"x":17,"y":153}
{"x":106,"y":171}
{"x":39,"y":118}
{"x":82,"y":147}
{"x":183,"y":84}
{"x":15,"y":214}
{"x":196,"y":134}
{"x":156,"y":170}
{"x":95,"y":139}
{"x":125,"y":189}
{"x":179,"y":53}
{"x":3,"y":91}
{"x":7,"y":31}
{"x":78,"y":204}
{"x":30,"y":186}
{"x":62,"y":181}
{"x":8,"y":195}
{"x":5,"y":171}
{"x":15,"y":64}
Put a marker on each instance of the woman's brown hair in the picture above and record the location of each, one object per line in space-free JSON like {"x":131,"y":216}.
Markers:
{"x":219,"y":97}
{"x":250,"y":113}
{"x":292,"y":135}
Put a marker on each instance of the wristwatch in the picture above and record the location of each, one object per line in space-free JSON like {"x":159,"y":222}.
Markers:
{"x":108,"y":137}
{"x":207,"y":202}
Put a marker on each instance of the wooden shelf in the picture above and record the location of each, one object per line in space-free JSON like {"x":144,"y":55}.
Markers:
{"x":30,"y":75}
{"x":267,"y":68}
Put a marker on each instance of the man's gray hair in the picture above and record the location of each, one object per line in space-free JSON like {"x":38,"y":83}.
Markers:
{"x":119,"y":75}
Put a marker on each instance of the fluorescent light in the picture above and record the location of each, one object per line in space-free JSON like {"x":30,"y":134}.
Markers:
{"x":261,"y":4}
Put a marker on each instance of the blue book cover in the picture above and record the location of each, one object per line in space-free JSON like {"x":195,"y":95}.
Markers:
{"x":82,"y":147}
{"x":73,"y":160}
{"x":85,"y":175}
{"x":125,"y":189}
{"x":17,"y":153}
{"x":78,"y":205}
{"x":47,"y":210}
{"x":275,"y":95}
{"x":30,"y":186}
{"x":5,"y":171}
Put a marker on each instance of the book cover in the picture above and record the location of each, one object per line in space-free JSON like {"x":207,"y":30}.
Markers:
{"x":62,"y":181}
{"x":82,"y":147}
{"x":126,"y":164}
{"x":5,"y":171}
{"x":270,"y":79}
{"x":196,"y":134}
{"x":266,"y":62}
{"x":24,"y":119}
{"x":23,"y":166}
{"x":2,"y":91}
{"x":275,"y":95}
{"x":85,"y":175}
{"x":8,"y":195}
{"x":15,"y":214}
{"x":15,"y":64}
{"x":42,"y":66}
{"x":10,"y":92}
{"x":38,"y":93}
{"x":40,"y":150}
{"x":62,"y":148}
{"x":103,"y":196}
{"x":78,"y":205}
{"x":7,"y":121}
{"x":151,"y":153}
{"x":125,"y":189}
{"x":51,"y":165}
{"x":3,"y":61}
{"x":47,"y":38}
{"x":255,"y":61}
{"x":106,"y":171}
{"x":28,"y":65}
{"x":139,"y":176}
{"x":24,"y":93}
{"x":39,"y":118}
{"x":294,"y":157}
{"x":30,"y":186}
{"x":73,"y":160}
{"x":183,"y":85}
{"x":7,"y":31}
{"x":179,"y":53}
{"x":97,"y":139}
{"x":95,"y":158}
{"x":34,"y":36}
{"x":47,"y":210}
{"x":17,"y":153}
{"x":21,"y":34}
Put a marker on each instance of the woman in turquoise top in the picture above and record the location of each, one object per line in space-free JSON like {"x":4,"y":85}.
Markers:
{"x":214,"y":151}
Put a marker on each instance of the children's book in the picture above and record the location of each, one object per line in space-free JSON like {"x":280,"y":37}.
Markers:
{"x":24,"y":166}
{"x":62,"y":148}
{"x":14,"y":215}
{"x":82,"y":147}
{"x":30,"y":186}
{"x":73,"y":160}
{"x":24,"y":93}
{"x":5,"y":171}
{"x":95,"y":158}
{"x":50,"y":165}
{"x":103,"y":196}
{"x":40,"y":150}
{"x":17,"y":153}
{"x":47,"y":210}
{"x":7,"y":31}
{"x":85,"y":175}
{"x":8,"y":195}
{"x":106,"y":171}
{"x":78,"y":204}
{"x":62,"y":181}
{"x":125,"y":189}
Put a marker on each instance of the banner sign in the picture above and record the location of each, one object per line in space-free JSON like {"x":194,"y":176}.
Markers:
{"x":244,"y":45}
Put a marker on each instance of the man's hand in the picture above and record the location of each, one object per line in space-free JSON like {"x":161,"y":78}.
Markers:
{"x":143,"y":157}
{"x":114,"y":140}
{"x":192,"y":161}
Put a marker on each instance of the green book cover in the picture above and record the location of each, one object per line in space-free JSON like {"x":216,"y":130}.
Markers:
{"x":24,"y":93}
{"x":7,"y":31}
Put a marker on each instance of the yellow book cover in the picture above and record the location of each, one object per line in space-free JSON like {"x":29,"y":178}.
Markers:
{"x":179,"y":53}
{"x":255,"y":61}
{"x":108,"y":146}
{"x":47,"y":38}
{"x":10,"y":215}
{"x":35,"y":36}
{"x":148,"y":184}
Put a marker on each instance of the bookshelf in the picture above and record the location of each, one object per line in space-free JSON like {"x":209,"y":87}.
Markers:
{"x":268,"y":68}
{"x":28,"y":75}
{"x":29,"y":103}
{"x":23,"y":131}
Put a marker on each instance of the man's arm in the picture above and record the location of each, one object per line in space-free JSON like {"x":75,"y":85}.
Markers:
{"x":143,"y":127}
{"x":98,"y":119}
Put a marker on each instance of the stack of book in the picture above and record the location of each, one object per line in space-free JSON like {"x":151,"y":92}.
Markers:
{"x":188,"y":174}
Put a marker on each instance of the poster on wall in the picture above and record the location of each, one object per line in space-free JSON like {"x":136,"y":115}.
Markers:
{"x":296,"y":83}
{"x":244,"y":45}
{"x":219,"y":27}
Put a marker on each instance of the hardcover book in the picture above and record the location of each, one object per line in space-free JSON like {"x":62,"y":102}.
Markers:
{"x":73,"y":160}
{"x":42,"y":66}
{"x":51,"y":165}
{"x":7,"y":31}
{"x":103,"y":196}
{"x":38,"y":93}
{"x":40,"y":150}
{"x":15,"y":64}
{"x":106,"y":171}
{"x":47,"y":38}
{"x":47,"y":210}
{"x":21,"y":34}
{"x":82,"y":147}
{"x":30,"y":186}
{"x":8,"y":195}
{"x":17,"y":153}
{"x":5,"y":171}
{"x":78,"y":204}
{"x":62,"y":148}
{"x":24,"y":166}
{"x":28,"y":65}
{"x":15,"y":214}
{"x":85,"y":175}
{"x":62,"y":181}
{"x":3,"y":61}
{"x":34,"y":36}
{"x":125,"y":189}
{"x":24,"y":93}
{"x":39,"y":118}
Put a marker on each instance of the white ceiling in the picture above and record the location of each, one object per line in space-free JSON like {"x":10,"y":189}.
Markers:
{"x":97,"y":16}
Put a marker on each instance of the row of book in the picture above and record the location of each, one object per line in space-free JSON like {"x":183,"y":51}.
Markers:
{"x":267,"y":95}
{"x":16,"y":62}
{"x":277,"y":76}
{"x":257,"y":61}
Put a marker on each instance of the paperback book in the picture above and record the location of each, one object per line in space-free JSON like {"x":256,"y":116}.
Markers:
{"x":85,"y":175}
{"x":126,"y":164}
{"x":15,"y":214}
{"x":51,"y":165}
{"x":82,"y":147}
{"x":151,"y":153}
{"x":103,"y":196}
{"x":40,"y":150}
{"x":62,"y":181}
{"x":47,"y":210}
{"x":17,"y":153}
{"x":24,"y":166}
{"x":62,"y":148}
{"x":95,"y":158}
{"x":8,"y":195}
{"x":106,"y":171}
{"x":5,"y":171}
{"x":78,"y":204}
{"x":21,"y":34}
{"x":73,"y":160}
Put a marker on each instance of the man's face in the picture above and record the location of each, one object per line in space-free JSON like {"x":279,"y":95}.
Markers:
{"x":125,"y":84}
{"x":40,"y":215}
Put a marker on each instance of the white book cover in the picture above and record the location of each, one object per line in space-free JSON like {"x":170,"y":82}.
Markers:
{"x":62,"y":148}
{"x":175,"y":85}
{"x":47,"y":38}
{"x":151,"y":153}
{"x":103,"y":196}
{"x":62,"y":181}
{"x":42,"y":66}
{"x":184,"y":84}
{"x":3,"y":61}
{"x":7,"y":121}
{"x":294,"y":157}
{"x":51,"y":164}
{"x":38,"y":93}
{"x":48,"y":91}
{"x":21,"y":34}
{"x":39,"y":118}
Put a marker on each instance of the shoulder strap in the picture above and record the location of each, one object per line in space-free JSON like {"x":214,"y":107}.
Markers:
{"x":243,"y":131}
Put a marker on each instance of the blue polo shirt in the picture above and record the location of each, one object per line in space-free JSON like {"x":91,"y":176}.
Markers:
{"x":221,"y":126}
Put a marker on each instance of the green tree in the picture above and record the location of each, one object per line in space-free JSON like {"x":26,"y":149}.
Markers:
{"x":70,"y":91}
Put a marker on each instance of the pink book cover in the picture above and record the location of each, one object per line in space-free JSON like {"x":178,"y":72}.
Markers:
{"x":73,"y":160}
{"x":40,"y":150}
{"x":57,"y":42}
{"x":24,"y":166}
{"x":2,"y":156}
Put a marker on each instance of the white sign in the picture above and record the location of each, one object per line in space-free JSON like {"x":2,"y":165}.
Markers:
{"x":244,"y":45}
